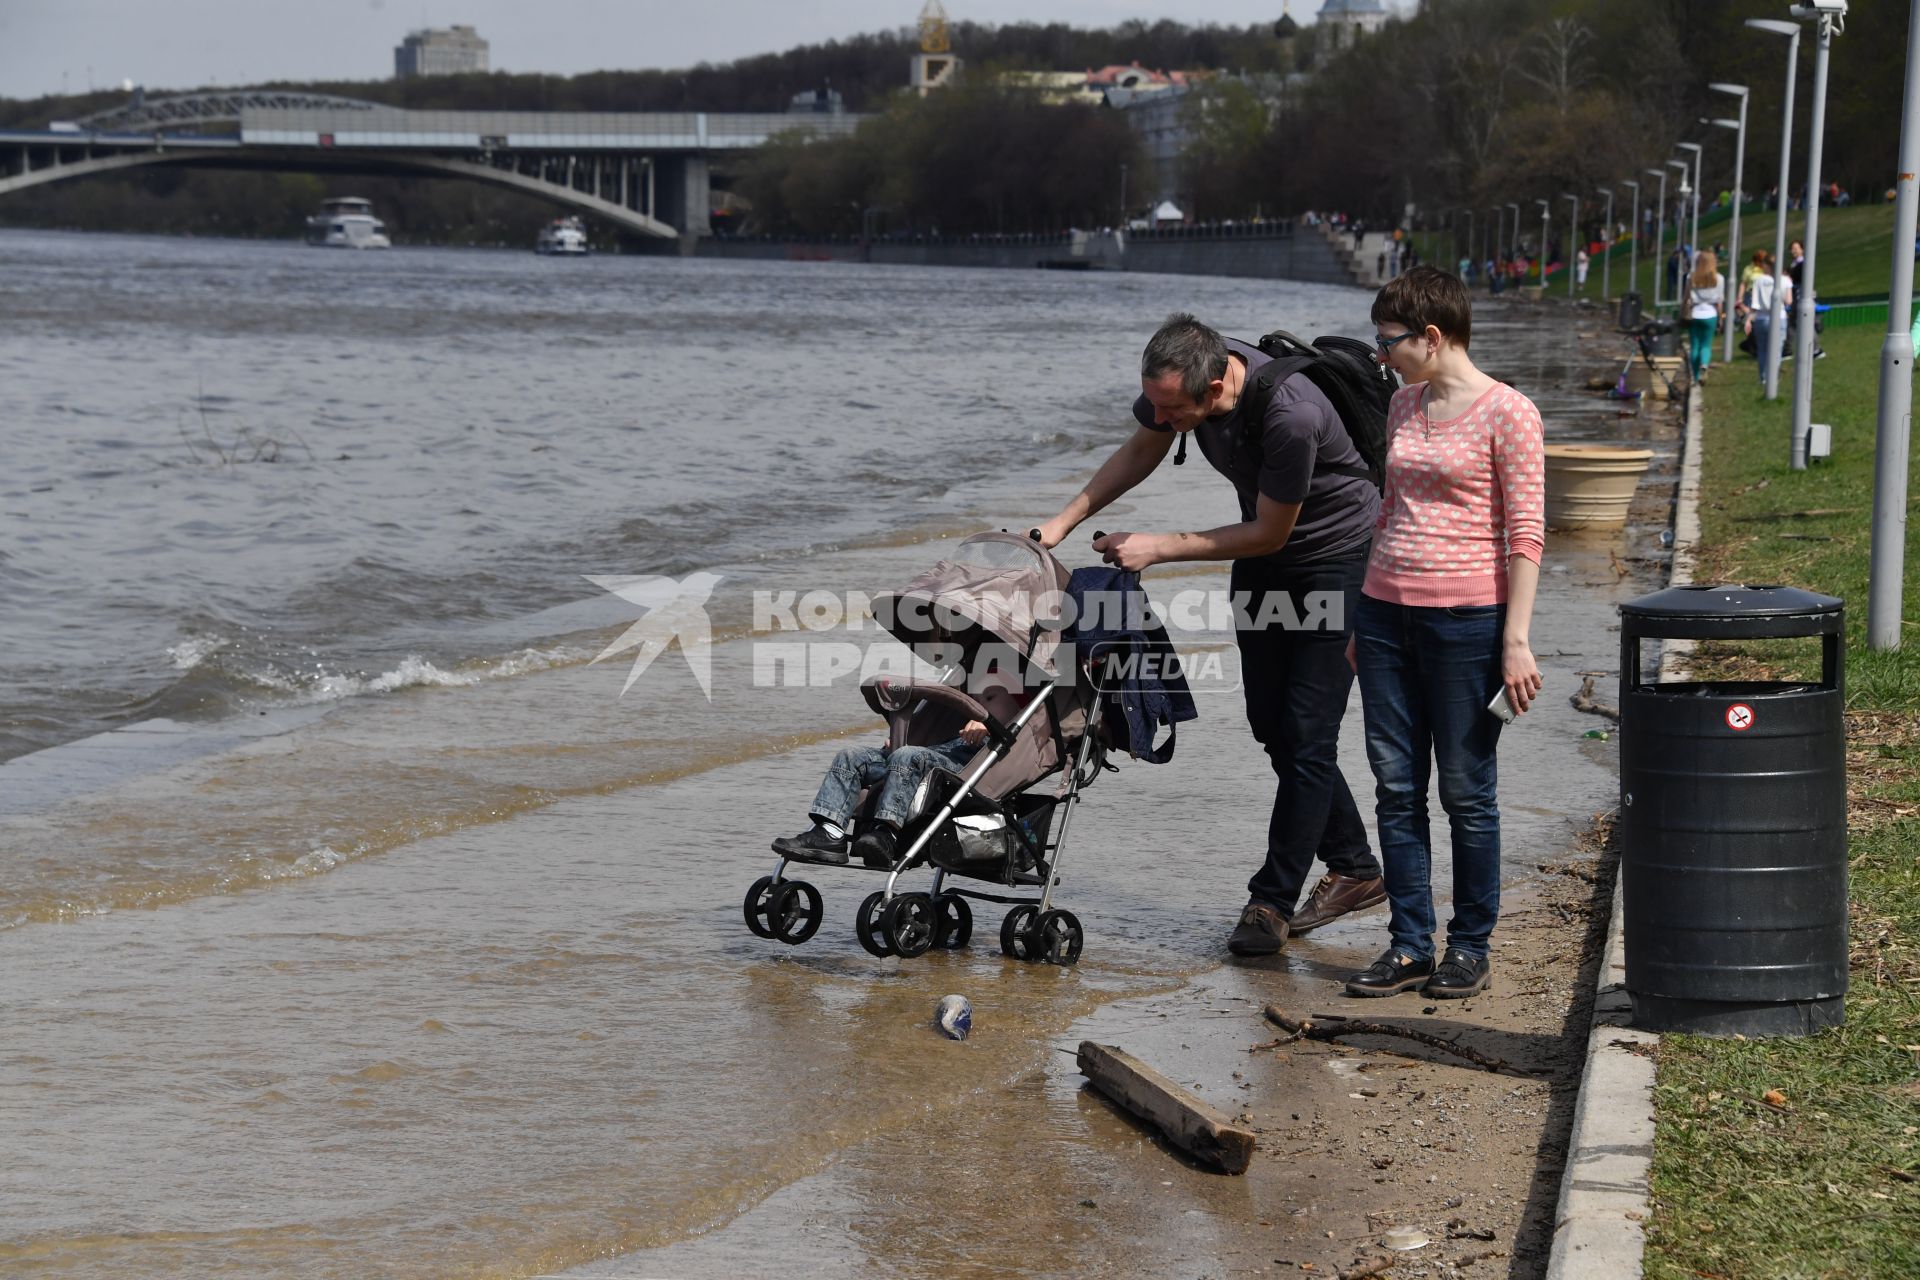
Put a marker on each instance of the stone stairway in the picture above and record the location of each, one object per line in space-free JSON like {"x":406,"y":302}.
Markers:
{"x":1363,"y":264}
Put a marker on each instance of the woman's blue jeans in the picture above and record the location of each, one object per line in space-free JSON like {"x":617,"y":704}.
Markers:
{"x":1426,"y":676}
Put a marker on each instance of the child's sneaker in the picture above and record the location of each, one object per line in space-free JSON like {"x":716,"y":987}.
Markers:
{"x":876,"y":847}
{"x":813,"y":845}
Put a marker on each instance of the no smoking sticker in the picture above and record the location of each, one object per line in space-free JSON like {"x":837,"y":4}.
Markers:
{"x":1739,"y":717}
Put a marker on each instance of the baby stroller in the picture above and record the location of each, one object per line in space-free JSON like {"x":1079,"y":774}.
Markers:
{"x":996,"y":609}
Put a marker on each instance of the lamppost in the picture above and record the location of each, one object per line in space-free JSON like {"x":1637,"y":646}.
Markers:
{"x":1697,"y":150}
{"x":1123,"y":195}
{"x":1893,"y":435}
{"x":1830,"y":19}
{"x":1633,"y":245}
{"x":1467,"y":251}
{"x":1776,"y":325}
{"x":1606,"y":238}
{"x":1513,"y":233}
{"x":1499,"y":227}
{"x":1739,"y":193}
{"x":1679,"y":233}
{"x":1546,"y":227}
{"x":1573,"y":236}
{"x":1659,"y":233}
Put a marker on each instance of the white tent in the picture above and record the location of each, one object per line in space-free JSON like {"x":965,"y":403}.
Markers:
{"x":1168,"y":211}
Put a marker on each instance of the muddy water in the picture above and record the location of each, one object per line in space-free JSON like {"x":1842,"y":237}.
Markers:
{"x":420,"y":954}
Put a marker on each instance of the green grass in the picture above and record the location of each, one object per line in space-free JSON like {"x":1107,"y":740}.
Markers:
{"x":1855,"y":253}
{"x":1822,"y":1183}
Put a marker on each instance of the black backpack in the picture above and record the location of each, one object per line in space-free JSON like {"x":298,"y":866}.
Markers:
{"x":1359,"y":387}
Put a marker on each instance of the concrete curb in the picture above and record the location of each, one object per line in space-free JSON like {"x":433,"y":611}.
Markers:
{"x":1600,"y":1226}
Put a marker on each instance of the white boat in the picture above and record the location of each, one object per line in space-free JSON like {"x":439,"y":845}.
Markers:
{"x":347,"y":223}
{"x":562,"y":235}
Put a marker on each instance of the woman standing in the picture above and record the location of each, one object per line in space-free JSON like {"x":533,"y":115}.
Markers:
{"x":1706,"y":305}
{"x":1443,"y":625}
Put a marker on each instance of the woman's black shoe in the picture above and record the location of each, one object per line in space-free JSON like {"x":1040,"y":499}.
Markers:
{"x":1393,"y":972}
{"x":1460,"y":975}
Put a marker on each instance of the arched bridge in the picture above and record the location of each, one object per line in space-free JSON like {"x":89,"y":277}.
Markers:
{"x":644,"y":172}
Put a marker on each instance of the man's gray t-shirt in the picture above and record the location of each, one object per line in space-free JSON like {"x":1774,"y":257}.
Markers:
{"x":1288,"y":460}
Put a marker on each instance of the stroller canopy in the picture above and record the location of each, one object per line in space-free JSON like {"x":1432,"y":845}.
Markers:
{"x":996,"y":586}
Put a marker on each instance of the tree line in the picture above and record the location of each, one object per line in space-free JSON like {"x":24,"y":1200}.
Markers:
{"x":1468,"y":103}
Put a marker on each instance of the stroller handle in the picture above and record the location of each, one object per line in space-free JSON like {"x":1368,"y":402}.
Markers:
{"x":1034,"y":534}
{"x":997,"y":730}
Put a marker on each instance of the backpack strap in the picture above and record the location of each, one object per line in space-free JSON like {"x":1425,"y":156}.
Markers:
{"x":1258,"y":397}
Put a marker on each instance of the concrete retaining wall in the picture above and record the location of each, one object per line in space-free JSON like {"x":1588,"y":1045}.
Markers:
{"x":1291,"y":257}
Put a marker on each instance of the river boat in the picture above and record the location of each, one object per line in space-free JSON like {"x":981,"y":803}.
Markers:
{"x":566,"y":236}
{"x":347,"y":222}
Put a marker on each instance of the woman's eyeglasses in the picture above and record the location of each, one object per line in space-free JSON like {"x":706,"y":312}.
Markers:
{"x":1385,"y":345}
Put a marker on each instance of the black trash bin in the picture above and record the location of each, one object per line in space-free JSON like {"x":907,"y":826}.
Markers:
{"x":1630,"y":311}
{"x":1660,"y":337}
{"x":1733,"y":812}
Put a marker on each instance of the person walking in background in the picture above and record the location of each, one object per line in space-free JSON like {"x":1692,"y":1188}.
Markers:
{"x":1581,"y":260}
{"x":1797,"y":297}
{"x":1760,"y":311}
{"x":1444,"y":623}
{"x":1706,"y":307}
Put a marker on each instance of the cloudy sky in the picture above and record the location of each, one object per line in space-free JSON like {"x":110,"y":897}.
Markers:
{"x":48,"y":45}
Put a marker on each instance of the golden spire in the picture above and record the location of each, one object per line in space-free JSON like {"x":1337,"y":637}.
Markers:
{"x":933,"y":29}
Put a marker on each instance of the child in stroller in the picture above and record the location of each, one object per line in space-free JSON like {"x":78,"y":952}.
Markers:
{"x":897,"y":771}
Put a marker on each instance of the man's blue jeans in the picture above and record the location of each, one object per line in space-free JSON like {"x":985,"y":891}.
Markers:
{"x":900,"y":769}
{"x":1426,"y":676}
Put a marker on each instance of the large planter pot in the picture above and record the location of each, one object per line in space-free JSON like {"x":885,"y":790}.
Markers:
{"x":1656,"y":383}
{"x":1590,"y":486}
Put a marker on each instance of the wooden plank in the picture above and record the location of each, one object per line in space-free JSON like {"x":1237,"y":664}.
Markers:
{"x":1190,"y":1124}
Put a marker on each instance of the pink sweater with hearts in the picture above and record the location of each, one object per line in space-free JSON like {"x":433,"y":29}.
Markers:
{"x":1461,"y":496}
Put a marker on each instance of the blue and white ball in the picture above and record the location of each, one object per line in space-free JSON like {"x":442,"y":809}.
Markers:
{"x":954,"y":1017}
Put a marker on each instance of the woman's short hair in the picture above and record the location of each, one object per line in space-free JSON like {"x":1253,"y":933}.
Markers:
{"x":1427,"y":296}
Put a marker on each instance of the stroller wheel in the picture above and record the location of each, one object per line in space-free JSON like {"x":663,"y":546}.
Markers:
{"x":759,"y":898}
{"x":1057,"y":937}
{"x":952,"y":922}
{"x":907,"y":924}
{"x":794,"y":912}
{"x":1016,"y":932}
{"x":866,"y":925}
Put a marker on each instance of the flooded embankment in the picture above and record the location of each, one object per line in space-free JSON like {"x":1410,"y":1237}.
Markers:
{"x":427,"y":959}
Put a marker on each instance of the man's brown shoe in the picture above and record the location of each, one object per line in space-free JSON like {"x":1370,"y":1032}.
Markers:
{"x":1261,"y":932}
{"x":1334,"y":897}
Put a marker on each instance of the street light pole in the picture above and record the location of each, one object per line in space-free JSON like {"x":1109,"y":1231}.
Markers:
{"x":1659,"y":233}
{"x":1828,"y":23}
{"x":1888,"y":560}
{"x":1697,"y":150}
{"x":1499,"y":225}
{"x":1633,"y":245}
{"x":1606,"y":264}
{"x":1680,"y":234}
{"x":1777,"y":321}
{"x":1546,"y":229}
{"x":1513,"y":233}
{"x":1573,"y":234}
{"x":1739,"y":196}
